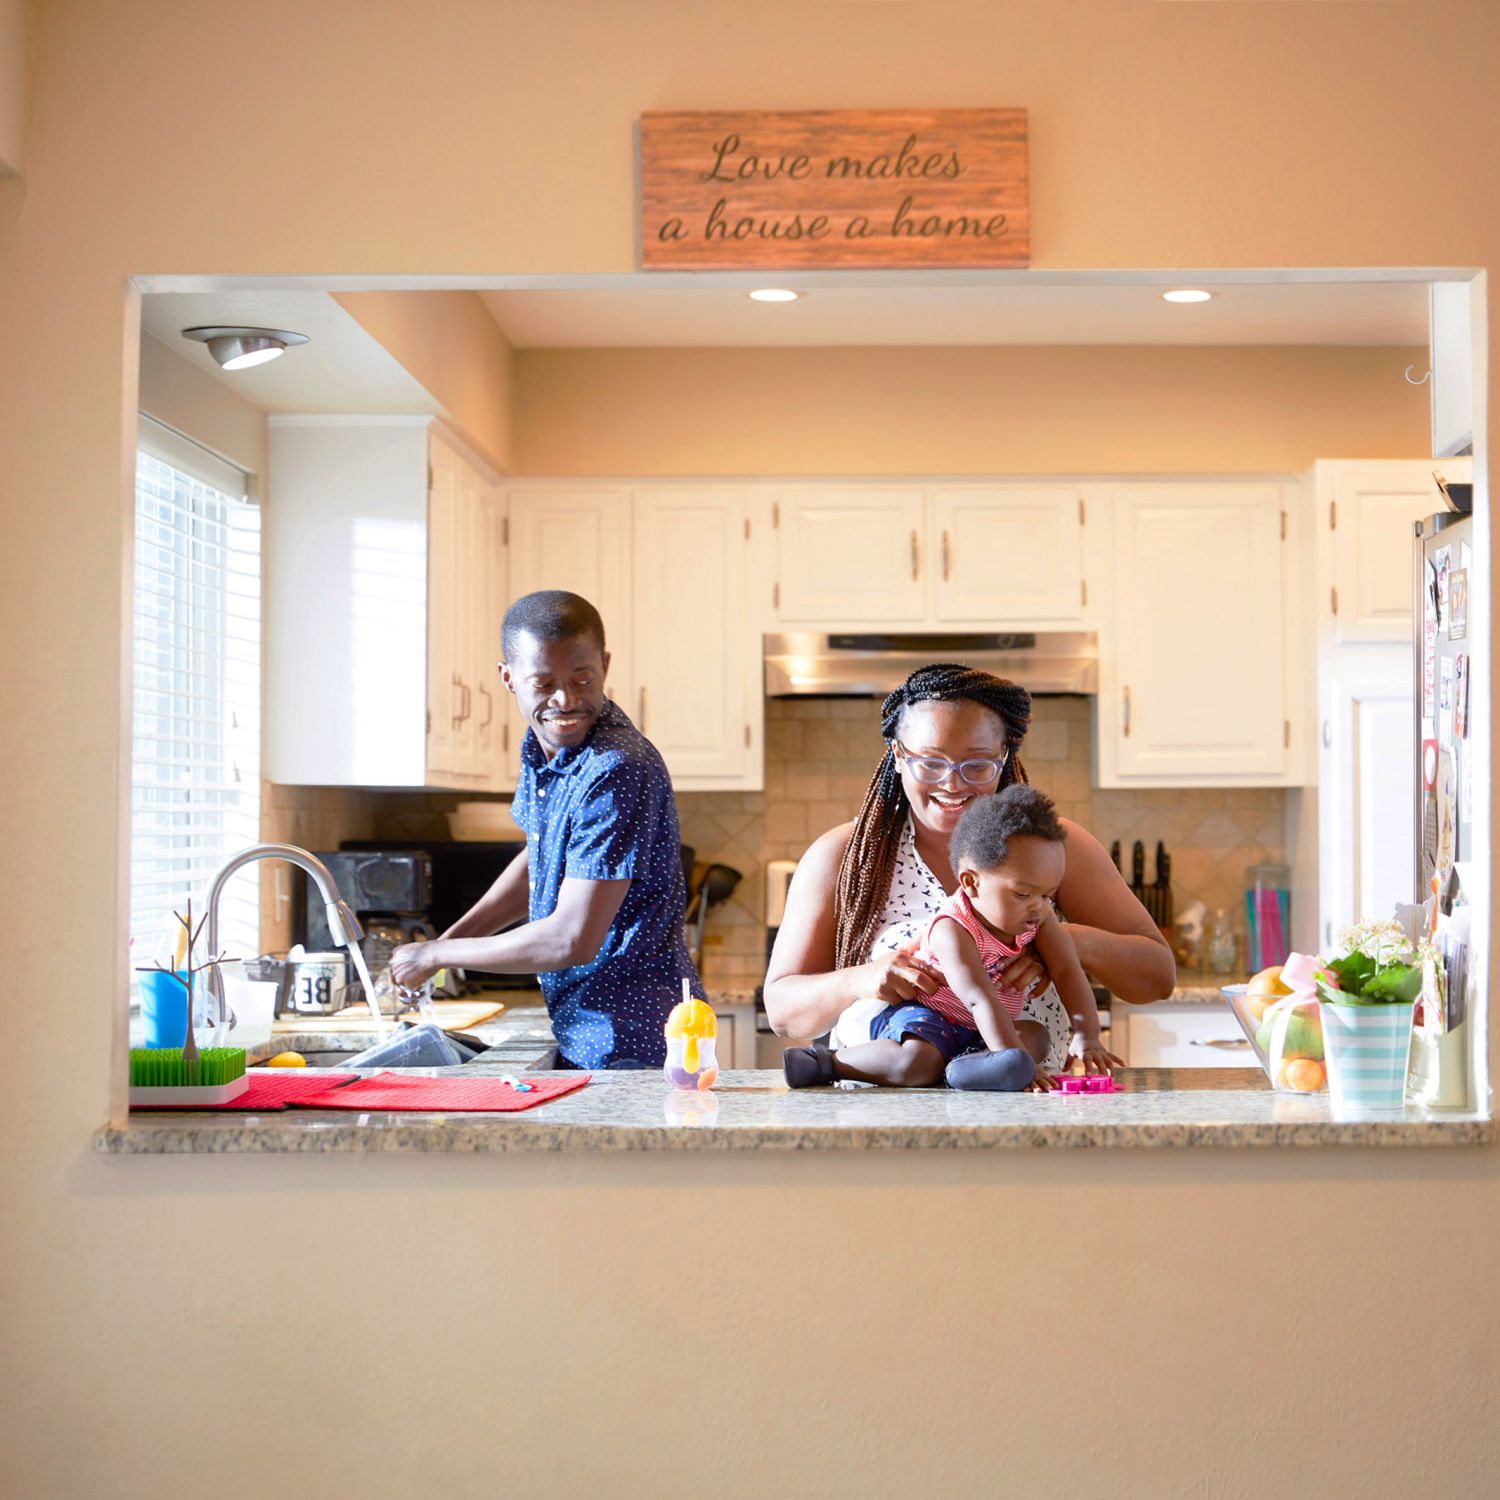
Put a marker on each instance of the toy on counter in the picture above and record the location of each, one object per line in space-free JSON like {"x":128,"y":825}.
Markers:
{"x":1093,"y":1083}
{"x":692,"y":1032}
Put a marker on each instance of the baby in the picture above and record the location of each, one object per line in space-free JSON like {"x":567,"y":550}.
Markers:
{"x":1007,"y":853}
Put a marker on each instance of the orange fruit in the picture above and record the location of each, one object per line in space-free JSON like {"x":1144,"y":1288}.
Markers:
{"x":1304,"y":1074}
{"x":286,"y":1060}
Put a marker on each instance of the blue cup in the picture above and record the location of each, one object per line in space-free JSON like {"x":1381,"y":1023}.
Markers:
{"x":164,"y":1008}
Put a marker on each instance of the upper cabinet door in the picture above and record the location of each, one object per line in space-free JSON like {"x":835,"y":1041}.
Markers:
{"x":492,"y":715}
{"x":1197,"y":690}
{"x":850,"y":555}
{"x":1368,"y":512}
{"x":1004,"y":554}
{"x":578,"y":540}
{"x":695,"y":661}
{"x":445,"y":697}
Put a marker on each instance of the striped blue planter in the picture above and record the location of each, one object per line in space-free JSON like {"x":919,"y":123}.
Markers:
{"x":1366,"y":1048}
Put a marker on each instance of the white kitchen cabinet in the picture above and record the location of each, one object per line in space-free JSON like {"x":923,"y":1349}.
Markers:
{"x":696,"y":665}
{"x":1451,"y":352}
{"x":1193,"y":672}
{"x":850,"y":555}
{"x":574,"y":538}
{"x":1365,"y":513}
{"x":374,"y":546}
{"x":1007,"y":554}
{"x":1178,"y":1034}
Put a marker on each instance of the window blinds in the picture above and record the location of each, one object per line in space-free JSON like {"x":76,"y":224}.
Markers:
{"x":195,"y":738}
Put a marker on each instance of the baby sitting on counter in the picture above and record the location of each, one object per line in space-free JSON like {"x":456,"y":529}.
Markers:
{"x":1008,"y":856}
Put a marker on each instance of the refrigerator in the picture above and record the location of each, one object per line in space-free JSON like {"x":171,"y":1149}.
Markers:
{"x":1438,"y":1070}
{"x":1444,"y":558}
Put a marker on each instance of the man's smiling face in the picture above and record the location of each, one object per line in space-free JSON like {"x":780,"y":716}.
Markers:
{"x":558,"y":686}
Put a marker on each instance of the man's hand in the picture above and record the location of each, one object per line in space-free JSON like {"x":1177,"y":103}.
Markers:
{"x":900,"y":976}
{"x":413,"y":964}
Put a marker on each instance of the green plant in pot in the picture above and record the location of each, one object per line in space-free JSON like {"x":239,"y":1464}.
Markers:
{"x":1366,"y":995}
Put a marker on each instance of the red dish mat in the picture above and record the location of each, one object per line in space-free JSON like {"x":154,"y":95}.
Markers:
{"x":448,"y":1095}
{"x":274,"y":1090}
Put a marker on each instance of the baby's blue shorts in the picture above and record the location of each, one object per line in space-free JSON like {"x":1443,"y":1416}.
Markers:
{"x":908,"y":1019}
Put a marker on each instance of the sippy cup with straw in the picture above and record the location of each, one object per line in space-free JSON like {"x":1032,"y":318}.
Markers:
{"x":691,"y":1033}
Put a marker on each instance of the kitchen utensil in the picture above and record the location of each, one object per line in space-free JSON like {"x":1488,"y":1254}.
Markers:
{"x":167,"y":1075}
{"x":422,"y":1046}
{"x":164,"y":1007}
{"x":445,"y":1095}
{"x":691,"y":1033}
{"x":717,"y":886}
{"x":252,"y":1002}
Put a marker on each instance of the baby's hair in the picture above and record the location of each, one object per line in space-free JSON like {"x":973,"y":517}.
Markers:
{"x":988,"y":824}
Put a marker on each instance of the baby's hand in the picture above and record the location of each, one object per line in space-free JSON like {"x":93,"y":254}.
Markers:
{"x":1097,"y":1058}
{"x":1043,"y":1083}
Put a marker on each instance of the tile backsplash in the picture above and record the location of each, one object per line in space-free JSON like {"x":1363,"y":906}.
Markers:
{"x":820,"y":754}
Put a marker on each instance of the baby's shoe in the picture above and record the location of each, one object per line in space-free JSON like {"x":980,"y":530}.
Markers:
{"x":807,"y":1067}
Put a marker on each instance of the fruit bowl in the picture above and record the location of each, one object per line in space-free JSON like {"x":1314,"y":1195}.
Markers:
{"x":1300,"y":1068}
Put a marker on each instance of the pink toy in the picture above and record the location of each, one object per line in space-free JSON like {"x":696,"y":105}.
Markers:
{"x":1097,"y":1083}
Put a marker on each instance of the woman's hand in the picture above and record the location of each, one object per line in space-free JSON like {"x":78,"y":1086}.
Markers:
{"x":1026,"y":972}
{"x":1097,"y":1058}
{"x":899,"y":976}
{"x":412,"y":965}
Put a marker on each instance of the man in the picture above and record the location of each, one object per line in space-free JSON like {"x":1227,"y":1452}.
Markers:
{"x":601,"y":880}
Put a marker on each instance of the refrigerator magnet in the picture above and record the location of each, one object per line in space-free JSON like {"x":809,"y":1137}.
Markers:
{"x":1429,"y":765}
{"x":1445,"y":685}
{"x":1458,"y":605}
{"x":1461,"y":696}
{"x":1429,"y":667}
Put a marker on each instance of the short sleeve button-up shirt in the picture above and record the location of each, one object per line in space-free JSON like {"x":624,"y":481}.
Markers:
{"x":604,"y":810}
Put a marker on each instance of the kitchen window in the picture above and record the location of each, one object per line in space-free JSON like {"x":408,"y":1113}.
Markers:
{"x":195,"y":719}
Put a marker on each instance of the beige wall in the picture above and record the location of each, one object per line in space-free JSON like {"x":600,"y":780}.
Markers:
{"x":449,"y":343}
{"x":1022,"y":410}
{"x":1268,"y":1322}
{"x":204,"y":409}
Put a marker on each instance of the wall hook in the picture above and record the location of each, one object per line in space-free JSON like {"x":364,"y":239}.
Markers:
{"x":1423,"y":381}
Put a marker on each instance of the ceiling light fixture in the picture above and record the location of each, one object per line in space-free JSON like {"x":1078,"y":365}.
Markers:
{"x":1186,"y":294}
{"x":773,"y":294}
{"x":240,"y":348}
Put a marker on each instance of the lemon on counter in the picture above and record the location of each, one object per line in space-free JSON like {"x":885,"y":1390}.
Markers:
{"x":286,"y":1060}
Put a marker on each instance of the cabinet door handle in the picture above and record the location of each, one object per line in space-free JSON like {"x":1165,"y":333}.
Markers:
{"x":489,"y":704}
{"x":642,"y":716}
{"x":460,"y":713}
{"x":914,"y":556}
{"x":945,"y":557}
{"x":1127,"y":713}
{"x":1241,"y":1045}
{"x":1327,"y":734}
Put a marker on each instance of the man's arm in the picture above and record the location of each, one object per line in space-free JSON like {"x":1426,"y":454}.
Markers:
{"x":571,"y":934}
{"x":963,"y":971}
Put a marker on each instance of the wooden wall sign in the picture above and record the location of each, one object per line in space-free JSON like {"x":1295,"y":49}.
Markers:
{"x":731,"y":190}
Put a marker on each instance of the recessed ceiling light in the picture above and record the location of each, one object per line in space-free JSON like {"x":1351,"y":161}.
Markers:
{"x":773,"y":294}
{"x":1186,"y":294}
{"x":240,"y":348}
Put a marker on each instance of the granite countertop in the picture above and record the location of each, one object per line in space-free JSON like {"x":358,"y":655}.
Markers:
{"x":636,"y":1111}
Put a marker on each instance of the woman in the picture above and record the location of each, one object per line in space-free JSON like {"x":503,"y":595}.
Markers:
{"x":865,"y":891}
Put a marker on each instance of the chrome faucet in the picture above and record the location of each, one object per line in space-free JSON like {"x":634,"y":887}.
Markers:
{"x":343,"y":925}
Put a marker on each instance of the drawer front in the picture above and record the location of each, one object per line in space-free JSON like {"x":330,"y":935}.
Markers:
{"x":1202,"y":1039}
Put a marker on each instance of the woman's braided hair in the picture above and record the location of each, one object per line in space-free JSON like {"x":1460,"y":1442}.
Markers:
{"x":864,"y":879}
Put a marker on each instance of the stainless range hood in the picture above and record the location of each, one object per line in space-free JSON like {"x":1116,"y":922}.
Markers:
{"x":869,"y":664}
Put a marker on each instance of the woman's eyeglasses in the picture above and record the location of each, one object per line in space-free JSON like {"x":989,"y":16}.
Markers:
{"x":931,"y":770}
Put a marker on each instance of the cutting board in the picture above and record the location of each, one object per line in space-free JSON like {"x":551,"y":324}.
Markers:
{"x":452,"y":1015}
